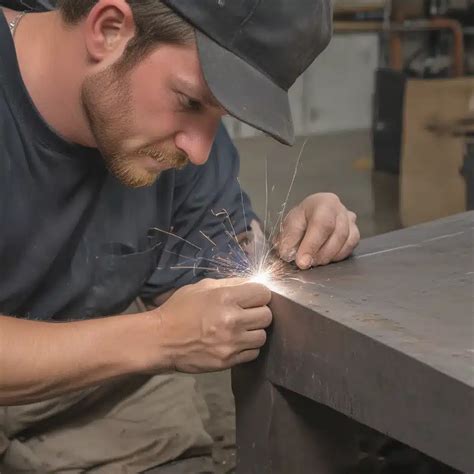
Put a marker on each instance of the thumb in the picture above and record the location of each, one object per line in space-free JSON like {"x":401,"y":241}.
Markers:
{"x":292,"y":232}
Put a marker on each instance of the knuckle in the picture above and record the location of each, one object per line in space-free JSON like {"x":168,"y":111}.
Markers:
{"x":267,"y":316}
{"x":352,"y":216}
{"x":295,"y":220}
{"x":211,"y":330}
{"x":332,"y":197}
{"x":355,"y":238}
{"x":320,"y":196}
{"x":328,"y":224}
{"x":266,"y":294}
{"x":327,"y":199}
{"x":289,"y":216}
{"x":260,"y":291}
{"x":224,"y":296}
{"x":262,"y":338}
{"x":224,"y":353}
{"x":229,"y":321}
{"x":352,"y":245}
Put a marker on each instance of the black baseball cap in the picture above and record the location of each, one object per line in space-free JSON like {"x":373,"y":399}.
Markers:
{"x":252,"y":52}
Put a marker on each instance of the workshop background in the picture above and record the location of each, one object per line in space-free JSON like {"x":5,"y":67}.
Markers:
{"x":386,"y":118}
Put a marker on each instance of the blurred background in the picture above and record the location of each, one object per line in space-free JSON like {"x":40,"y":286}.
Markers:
{"x":387,"y":112}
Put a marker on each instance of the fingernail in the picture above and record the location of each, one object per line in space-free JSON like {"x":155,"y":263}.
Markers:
{"x":288,"y":256}
{"x":306,"y":261}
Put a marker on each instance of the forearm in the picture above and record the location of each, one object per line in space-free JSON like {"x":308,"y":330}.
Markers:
{"x":40,"y":360}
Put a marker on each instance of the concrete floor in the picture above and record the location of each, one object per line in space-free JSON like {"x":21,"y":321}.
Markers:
{"x":339,"y":163}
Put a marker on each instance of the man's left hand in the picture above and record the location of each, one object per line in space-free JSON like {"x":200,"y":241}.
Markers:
{"x":318,"y":231}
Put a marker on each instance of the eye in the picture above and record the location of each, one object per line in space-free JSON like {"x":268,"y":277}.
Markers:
{"x":190,"y":104}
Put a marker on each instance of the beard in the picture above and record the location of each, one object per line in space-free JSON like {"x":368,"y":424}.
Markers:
{"x":107,"y":102}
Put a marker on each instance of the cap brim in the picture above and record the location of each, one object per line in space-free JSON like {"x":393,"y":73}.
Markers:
{"x":244,"y":92}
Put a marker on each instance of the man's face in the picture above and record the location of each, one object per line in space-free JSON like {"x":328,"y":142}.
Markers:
{"x":156,"y":116}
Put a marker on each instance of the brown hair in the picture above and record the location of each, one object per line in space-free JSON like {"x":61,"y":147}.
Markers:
{"x":154,"y":22}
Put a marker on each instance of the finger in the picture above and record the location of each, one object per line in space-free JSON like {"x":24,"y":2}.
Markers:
{"x":320,"y":228}
{"x":336,"y":242}
{"x":253,"y":339}
{"x":249,"y":295}
{"x":244,"y":357}
{"x":256,"y":318}
{"x":225,"y":282}
{"x":350,"y":245}
{"x":292,"y":233}
{"x":210,"y":283}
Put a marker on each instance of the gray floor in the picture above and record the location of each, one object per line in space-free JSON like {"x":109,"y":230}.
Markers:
{"x":339,"y":163}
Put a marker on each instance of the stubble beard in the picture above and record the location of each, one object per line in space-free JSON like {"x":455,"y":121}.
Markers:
{"x":107,"y":103}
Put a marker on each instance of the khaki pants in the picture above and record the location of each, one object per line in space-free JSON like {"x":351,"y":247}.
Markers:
{"x":122,"y":427}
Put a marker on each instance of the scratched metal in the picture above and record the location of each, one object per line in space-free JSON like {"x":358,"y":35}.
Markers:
{"x":387,"y":339}
{"x":412,"y":290}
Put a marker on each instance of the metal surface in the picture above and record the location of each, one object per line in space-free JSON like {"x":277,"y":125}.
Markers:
{"x":385,"y":338}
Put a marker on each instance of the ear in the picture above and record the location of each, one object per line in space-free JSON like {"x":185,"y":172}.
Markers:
{"x":107,"y":30}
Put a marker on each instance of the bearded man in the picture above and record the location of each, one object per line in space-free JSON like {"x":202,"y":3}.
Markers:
{"x":110,"y":128}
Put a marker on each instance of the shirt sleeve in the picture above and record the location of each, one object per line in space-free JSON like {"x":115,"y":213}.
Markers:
{"x":209,"y":210}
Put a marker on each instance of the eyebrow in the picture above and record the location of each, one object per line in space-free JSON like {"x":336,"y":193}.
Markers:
{"x":193,"y":92}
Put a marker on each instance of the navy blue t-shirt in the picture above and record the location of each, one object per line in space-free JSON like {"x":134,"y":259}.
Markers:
{"x":74,"y":242}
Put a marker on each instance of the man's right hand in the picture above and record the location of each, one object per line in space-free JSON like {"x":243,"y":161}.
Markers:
{"x":213,"y":325}
{"x":208,"y":326}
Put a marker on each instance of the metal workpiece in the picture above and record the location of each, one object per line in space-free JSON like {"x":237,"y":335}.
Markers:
{"x":384,"y":339}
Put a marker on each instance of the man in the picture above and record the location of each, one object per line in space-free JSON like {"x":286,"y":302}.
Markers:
{"x":110,"y":128}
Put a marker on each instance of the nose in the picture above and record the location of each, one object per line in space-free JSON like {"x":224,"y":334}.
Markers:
{"x":197,"y":138}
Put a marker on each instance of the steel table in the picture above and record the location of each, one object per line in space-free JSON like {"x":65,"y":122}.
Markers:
{"x":383,"y":340}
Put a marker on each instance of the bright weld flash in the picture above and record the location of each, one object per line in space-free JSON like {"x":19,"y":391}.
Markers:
{"x":262,"y":277}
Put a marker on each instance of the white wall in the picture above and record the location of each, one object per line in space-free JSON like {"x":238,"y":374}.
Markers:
{"x":335,"y":93}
